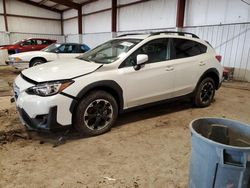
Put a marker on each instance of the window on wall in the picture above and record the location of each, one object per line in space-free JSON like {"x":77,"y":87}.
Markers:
{"x":183,"y":48}
{"x":157,"y":51}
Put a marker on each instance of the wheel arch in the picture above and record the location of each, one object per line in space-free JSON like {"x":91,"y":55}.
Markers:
{"x":38,"y":58}
{"x":109,"y":86}
{"x":212,"y":73}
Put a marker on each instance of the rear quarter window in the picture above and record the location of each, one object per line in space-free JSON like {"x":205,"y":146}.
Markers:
{"x":83,"y":48}
{"x":184,"y":48}
{"x":46,"y":42}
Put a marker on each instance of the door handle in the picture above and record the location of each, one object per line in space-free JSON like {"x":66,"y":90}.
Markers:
{"x":202,"y":63}
{"x":169,"y":68}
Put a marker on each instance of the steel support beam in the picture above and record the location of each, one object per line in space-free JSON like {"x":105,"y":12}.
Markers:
{"x":133,"y":3}
{"x":5,"y":16}
{"x":39,"y":5}
{"x":180,"y":13}
{"x":84,"y":3}
{"x":79,"y":21}
{"x":42,"y":2}
{"x":62,"y":31}
{"x":67,"y":3}
{"x":88,"y":2}
{"x":114,"y":16}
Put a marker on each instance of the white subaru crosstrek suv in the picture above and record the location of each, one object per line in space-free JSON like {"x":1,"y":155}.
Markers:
{"x":126,"y":72}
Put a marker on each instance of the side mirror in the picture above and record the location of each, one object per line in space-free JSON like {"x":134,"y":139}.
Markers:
{"x":140,"y":60}
{"x":22,"y":44}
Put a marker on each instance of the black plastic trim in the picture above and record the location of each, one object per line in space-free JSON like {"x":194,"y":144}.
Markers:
{"x":175,"y":32}
{"x":68,"y":95}
{"x":51,"y":124}
{"x":110,"y":84}
{"x":211,"y":70}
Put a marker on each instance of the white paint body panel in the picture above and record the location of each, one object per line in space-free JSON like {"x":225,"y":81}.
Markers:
{"x":26,"y":57}
{"x":35,"y":105}
{"x":59,"y":70}
{"x":150,"y":84}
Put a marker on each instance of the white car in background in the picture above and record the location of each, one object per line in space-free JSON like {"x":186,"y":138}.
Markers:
{"x":52,"y":52}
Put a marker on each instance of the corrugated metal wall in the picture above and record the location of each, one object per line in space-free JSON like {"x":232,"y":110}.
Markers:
{"x":159,"y":14}
{"x":94,"y":39}
{"x":21,"y":27}
{"x":232,"y":41}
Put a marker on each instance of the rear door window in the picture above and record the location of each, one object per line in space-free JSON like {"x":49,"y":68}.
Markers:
{"x":39,"y":42}
{"x":183,"y":48}
{"x":68,"y":48}
{"x":29,"y":42}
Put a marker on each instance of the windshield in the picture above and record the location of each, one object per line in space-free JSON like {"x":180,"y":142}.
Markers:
{"x":51,"y":48}
{"x":110,"y":51}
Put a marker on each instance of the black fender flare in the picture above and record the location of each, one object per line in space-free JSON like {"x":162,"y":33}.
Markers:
{"x":206,"y":73}
{"x":107,"y":85}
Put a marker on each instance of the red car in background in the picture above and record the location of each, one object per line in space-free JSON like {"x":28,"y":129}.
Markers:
{"x":30,"y":44}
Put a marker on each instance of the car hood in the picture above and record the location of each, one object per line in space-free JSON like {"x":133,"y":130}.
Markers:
{"x":60,"y":69}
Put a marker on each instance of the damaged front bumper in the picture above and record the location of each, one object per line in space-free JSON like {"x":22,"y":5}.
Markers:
{"x":43,"y":123}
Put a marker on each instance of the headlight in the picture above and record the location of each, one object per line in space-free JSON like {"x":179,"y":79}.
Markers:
{"x":49,"y":88}
{"x":15,"y":59}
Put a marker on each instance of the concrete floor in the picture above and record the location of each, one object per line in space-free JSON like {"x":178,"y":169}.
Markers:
{"x":146,"y":148}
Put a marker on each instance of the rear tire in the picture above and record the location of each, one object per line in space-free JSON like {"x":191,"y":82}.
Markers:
{"x":204,"y":93}
{"x":36,"y":61}
{"x":96,"y":113}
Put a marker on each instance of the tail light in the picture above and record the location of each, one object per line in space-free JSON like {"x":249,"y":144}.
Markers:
{"x":218,"y":57}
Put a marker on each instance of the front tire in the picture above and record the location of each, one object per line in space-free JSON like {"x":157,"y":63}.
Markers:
{"x":96,"y":113}
{"x":204,"y":93}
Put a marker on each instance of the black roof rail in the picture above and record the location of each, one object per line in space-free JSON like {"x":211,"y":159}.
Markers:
{"x":177,"y":32}
{"x":123,"y":35}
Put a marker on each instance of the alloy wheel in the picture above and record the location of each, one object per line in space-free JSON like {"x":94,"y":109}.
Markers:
{"x":98,"y":114}
{"x":207,"y":92}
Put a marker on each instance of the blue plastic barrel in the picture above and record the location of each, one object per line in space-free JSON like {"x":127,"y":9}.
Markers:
{"x":220,"y":155}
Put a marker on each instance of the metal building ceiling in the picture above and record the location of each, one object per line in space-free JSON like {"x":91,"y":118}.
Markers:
{"x":58,"y":5}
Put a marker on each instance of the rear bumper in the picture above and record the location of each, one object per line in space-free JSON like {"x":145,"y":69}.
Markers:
{"x":43,"y":123}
